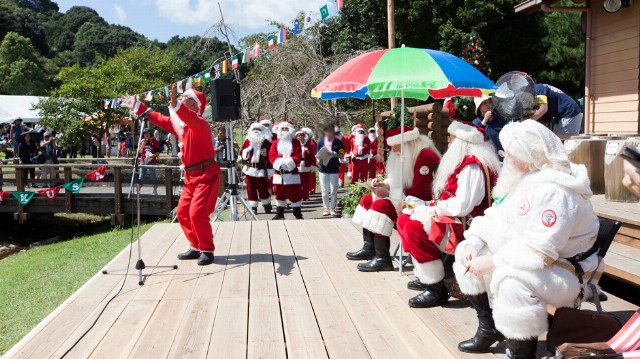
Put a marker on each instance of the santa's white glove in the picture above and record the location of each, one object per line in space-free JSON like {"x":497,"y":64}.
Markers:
{"x":246,"y":153}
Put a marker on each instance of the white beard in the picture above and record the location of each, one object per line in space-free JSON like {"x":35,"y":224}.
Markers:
{"x":267,"y":133}
{"x":255,"y":141}
{"x":359,"y":139}
{"x":510,"y":177}
{"x":394,"y":172}
{"x":285,"y":144}
{"x":455,"y":154}
{"x":372,"y":137}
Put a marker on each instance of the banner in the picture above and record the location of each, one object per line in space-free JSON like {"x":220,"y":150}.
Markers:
{"x":97,"y":175}
{"x":50,"y":193}
{"x":74,"y":186}
{"x":3,"y":196}
{"x":23,"y":197}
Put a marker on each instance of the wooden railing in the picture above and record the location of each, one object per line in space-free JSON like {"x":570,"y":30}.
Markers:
{"x":105,"y":197}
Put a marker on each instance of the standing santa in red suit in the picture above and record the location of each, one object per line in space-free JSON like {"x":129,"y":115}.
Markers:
{"x":285,"y":156}
{"x":311,"y":143}
{"x":307,"y":164}
{"x":360,"y":149}
{"x":255,"y":154}
{"x":377,"y":211}
{"x":201,"y":171}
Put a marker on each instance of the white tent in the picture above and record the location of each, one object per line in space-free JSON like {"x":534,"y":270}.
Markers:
{"x":12,"y":107}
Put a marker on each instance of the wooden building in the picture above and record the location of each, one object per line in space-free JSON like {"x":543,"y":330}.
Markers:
{"x":612,"y":75}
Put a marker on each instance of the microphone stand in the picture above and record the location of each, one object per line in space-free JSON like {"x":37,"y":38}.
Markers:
{"x":135,"y":179}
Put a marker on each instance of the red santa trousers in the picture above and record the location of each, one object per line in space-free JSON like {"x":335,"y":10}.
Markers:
{"x":373,"y":168}
{"x":257,"y":189}
{"x":305,"y":179}
{"x":360,"y":171}
{"x":416,"y":241}
{"x":197,"y":202}
{"x":292,"y":192}
{"x":312,"y":183}
{"x":343,"y":167}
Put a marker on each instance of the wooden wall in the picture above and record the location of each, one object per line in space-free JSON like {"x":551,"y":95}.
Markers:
{"x":615,"y":76}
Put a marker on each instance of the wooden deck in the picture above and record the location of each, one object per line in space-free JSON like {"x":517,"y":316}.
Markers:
{"x":277,"y":290}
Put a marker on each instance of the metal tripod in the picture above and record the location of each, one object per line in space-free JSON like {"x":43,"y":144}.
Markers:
{"x":231,"y":196}
{"x":135,"y":179}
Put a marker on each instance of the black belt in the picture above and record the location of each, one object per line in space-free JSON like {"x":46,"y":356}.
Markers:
{"x":575,"y":262}
{"x":283,"y":172}
{"x":258,"y":165}
{"x":199,"y":165}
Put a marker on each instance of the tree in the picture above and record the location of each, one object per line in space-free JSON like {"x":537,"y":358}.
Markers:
{"x":21,"y":71}
{"x":83,"y":89}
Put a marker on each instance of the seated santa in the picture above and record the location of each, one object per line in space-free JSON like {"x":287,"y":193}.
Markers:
{"x":461,"y":191}
{"x":377,"y":211}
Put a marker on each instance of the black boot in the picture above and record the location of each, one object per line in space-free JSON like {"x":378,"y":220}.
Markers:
{"x":435,"y":295}
{"x":382,"y":260}
{"x":366,"y":253}
{"x":416,"y":284}
{"x":255,"y":210}
{"x":487,"y":334}
{"x":279,"y":214}
{"x":190,"y":254}
{"x":297,"y":212}
{"x":267,"y":208}
{"x":522,"y":349}
{"x":205,"y":258}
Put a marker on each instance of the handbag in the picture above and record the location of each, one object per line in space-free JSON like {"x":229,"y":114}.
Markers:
{"x":586,"y":351}
{"x":572,"y":325}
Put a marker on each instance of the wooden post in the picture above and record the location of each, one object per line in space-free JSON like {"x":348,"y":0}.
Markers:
{"x":391,"y":36}
{"x":67,"y":194}
{"x":168,"y":189}
{"x":19,"y":215}
{"x":117,"y":219}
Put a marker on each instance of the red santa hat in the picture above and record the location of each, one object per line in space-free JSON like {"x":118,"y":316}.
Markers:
{"x":198,"y":97}
{"x":449,"y":105}
{"x":265,"y":122}
{"x":467,"y":132}
{"x":256,"y":125}
{"x":285,"y":124}
{"x":308,"y":131}
{"x":300,"y":132}
{"x":372,"y":129}
{"x":394,"y":136}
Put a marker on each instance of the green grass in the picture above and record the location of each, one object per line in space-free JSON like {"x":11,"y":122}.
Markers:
{"x":35,"y":282}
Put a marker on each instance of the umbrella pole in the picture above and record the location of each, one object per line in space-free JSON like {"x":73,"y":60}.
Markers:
{"x":400,"y":267}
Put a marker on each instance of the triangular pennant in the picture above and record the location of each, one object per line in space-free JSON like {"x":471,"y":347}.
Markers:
{"x":247,"y":56}
{"x":74,"y":186}
{"x":3,"y":196}
{"x":97,"y":175}
{"x":105,"y":103}
{"x":149,"y":96}
{"x":179,"y":87}
{"x":50,"y":193}
{"x":23,"y":197}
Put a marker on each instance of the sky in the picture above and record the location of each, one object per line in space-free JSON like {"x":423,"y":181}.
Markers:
{"x":163,"y":19}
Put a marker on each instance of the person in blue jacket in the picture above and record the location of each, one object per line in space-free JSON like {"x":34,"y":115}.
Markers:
{"x":562,"y":110}
{"x":489,"y":119}
{"x":329,"y":172}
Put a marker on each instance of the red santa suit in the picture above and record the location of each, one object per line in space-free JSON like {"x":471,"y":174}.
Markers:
{"x":462,"y":187}
{"x":360,"y":149}
{"x":348,"y":145}
{"x":255,"y":153}
{"x":314,"y":146}
{"x":307,"y":164}
{"x":285,"y":156}
{"x":373,"y":155}
{"x":201,"y":171}
{"x":343,"y":161}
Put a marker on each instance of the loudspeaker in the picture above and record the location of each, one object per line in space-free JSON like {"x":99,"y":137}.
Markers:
{"x":225,"y":99}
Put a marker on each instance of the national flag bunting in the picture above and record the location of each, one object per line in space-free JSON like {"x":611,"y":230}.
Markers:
{"x":23,"y":197}
{"x":189,"y":83}
{"x":282,"y":35}
{"x":166,"y":91}
{"x":179,"y":87}
{"x":207,"y":77}
{"x":270,"y":42}
{"x":234,"y":62}
{"x":225,"y":66}
{"x":628,"y":338}
{"x":256,"y":50}
{"x":295,"y":29}
{"x":246,"y":56}
{"x":149,"y":96}
{"x":74,"y":186}
{"x":324,"y":12}
{"x":340,"y":3}
{"x":3,"y":196}
{"x":197,"y":79}
{"x":50,"y":193}
{"x":105,"y":103}
{"x":216,"y":72}
{"x":97,"y":175}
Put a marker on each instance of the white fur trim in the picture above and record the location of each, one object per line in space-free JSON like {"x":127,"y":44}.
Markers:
{"x":253,"y":204}
{"x":378,"y":223}
{"x":469,"y":284}
{"x":296,"y":204}
{"x":266,"y":201}
{"x":359,"y":214}
{"x":256,"y":125}
{"x":180,"y":144}
{"x":179,"y":154}
{"x":288,"y":164}
{"x":271,"y":172}
{"x":191,"y":94}
{"x":423,"y":217}
{"x":277,"y":163}
{"x":408,"y":136}
{"x":246,"y":153}
{"x":280,"y":203}
{"x":465,"y":132}
{"x":136,"y":107}
{"x":429,"y":272}
{"x":286,"y":179}
{"x":520,"y":321}
{"x":252,"y":171}
{"x":306,"y":169}
{"x":182,"y":167}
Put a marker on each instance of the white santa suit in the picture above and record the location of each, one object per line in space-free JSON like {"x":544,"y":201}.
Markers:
{"x":547,"y":217}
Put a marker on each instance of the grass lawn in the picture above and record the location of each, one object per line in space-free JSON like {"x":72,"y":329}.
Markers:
{"x":35,"y":282}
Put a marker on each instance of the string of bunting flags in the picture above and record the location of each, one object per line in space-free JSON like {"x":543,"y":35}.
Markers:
{"x":51,"y":193}
{"x":332,"y":7}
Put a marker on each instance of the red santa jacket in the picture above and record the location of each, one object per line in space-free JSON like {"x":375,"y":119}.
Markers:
{"x":355,"y":151}
{"x":451,"y":186}
{"x":194,"y":135}
{"x":257,"y":163}
{"x":346,"y":143}
{"x":308,"y":160}
{"x":373,"y":152}
{"x":423,"y":171}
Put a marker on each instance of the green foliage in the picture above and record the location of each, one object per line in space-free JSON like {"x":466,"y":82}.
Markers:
{"x":351,"y":201}
{"x":82,"y":90}
{"x":198,"y":52}
{"x":465,"y":108}
{"x":21,"y":71}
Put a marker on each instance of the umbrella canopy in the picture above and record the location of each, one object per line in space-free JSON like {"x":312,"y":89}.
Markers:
{"x":36,"y":136}
{"x":419,"y":73}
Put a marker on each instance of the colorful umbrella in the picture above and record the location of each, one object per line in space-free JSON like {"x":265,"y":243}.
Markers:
{"x":419,"y":73}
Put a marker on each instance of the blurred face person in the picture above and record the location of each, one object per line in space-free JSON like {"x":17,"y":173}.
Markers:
{"x":329,"y":133}
{"x":360,"y":137}
{"x":301,"y":137}
{"x":372,"y":135}
{"x":27,"y":138}
{"x":147,"y":136}
{"x":190,"y":103}
{"x":222,"y":134}
{"x":486,"y":106}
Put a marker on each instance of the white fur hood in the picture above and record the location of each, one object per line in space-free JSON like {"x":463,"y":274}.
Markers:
{"x":577,"y":182}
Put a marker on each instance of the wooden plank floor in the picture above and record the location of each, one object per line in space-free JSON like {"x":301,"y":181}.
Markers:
{"x":277,"y":290}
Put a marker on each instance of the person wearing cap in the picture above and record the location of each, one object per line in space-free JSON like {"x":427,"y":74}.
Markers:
{"x":313,"y":146}
{"x":201,"y":171}
{"x":489,"y":120}
{"x":377,"y":212}
{"x":307,"y":163}
{"x":520,"y":251}
{"x":360,"y":148}
{"x":149,"y":150}
{"x":461,"y":191}
{"x":17,"y":128}
{"x":48,"y":149}
{"x":257,"y":168}
{"x":285,"y":156}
